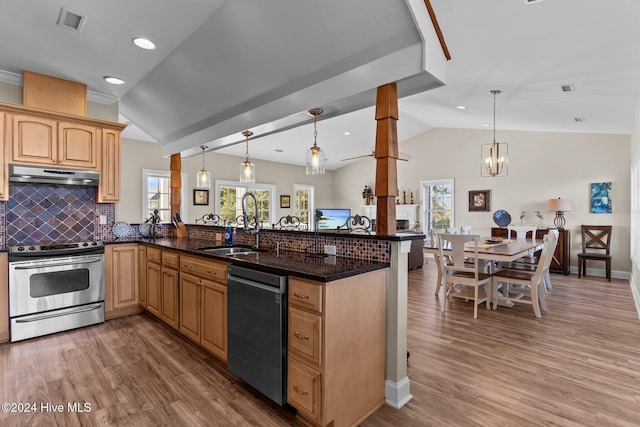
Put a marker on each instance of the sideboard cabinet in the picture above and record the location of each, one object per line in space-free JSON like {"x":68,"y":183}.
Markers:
{"x":561,"y":258}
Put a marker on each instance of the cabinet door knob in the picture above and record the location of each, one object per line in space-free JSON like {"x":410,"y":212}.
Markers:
{"x":297,"y":390}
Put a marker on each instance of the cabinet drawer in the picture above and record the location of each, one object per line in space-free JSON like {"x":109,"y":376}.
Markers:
{"x":171,"y":259}
{"x":305,"y":295}
{"x":154,"y":255}
{"x":204,"y":268}
{"x":305,"y":331}
{"x":303,"y":389}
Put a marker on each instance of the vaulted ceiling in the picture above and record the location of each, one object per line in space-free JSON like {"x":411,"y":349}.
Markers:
{"x":225,"y":66}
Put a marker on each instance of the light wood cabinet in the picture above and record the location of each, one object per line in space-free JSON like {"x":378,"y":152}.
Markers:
{"x":336,"y":348}
{"x":142,"y":276}
{"x":4,"y":297}
{"x":190,"y":295}
{"x":169,"y":296}
{"x":109,"y":187}
{"x":203,"y":303}
{"x":121,"y":280}
{"x":38,"y":140}
{"x":33,"y":136}
{"x":154,"y":283}
{"x":214,"y":319}
{"x":4,"y":166}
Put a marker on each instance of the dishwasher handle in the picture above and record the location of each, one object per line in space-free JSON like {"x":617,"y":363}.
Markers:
{"x":252,"y":284}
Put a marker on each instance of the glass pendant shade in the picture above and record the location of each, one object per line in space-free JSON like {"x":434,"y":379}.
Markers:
{"x":247,"y":169}
{"x":315,"y":161}
{"x":315,"y":155}
{"x":203,"y":177}
{"x":494,"y":156}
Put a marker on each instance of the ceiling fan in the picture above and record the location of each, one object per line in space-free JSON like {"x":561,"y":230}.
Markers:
{"x":401,"y":156}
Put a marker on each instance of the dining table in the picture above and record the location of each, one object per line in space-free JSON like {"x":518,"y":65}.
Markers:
{"x":492,"y":251}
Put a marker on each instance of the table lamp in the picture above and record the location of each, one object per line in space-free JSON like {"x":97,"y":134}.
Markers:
{"x":560,"y":206}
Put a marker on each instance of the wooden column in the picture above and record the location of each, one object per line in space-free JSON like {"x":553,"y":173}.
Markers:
{"x":386,"y":154}
{"x":176,"y":184}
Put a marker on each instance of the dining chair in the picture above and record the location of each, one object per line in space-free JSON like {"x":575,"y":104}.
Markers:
{"x":434,"y":243}
{"x":452,"y":230}
{"x":531,"y":264}
{"x":596,"y":246}
{"x":464,"y":270}
{"x":465,"y":229}
{"x":521,"y":231}
{"x":533,"y":282}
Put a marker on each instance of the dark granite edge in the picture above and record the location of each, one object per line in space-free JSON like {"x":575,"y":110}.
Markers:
{"x":173,"y":244}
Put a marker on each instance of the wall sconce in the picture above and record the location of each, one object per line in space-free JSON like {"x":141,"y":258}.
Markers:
{"x":560,"y":206}
{"x":203,"y":177}
{"x":247,"y":169}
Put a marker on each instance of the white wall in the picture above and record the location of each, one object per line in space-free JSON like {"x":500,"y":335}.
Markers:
{"x":138,"y":155}
{"x":542,"y":165}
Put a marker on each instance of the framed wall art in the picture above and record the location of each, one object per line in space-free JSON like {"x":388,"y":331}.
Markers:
{"x":480,"y":201}
{"x":285,"y":201}
{"x":200,"y":197}
{"x":601,"y":197}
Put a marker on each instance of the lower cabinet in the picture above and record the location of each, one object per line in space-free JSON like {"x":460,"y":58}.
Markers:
{"x":203,"y":303}
{"x":142,"y":276}
{"x":169,"y":292}
{"x":336,"y":348}
{"x":154,"y":282}
{"x":214,"y":319}
{"x":121,"y":280}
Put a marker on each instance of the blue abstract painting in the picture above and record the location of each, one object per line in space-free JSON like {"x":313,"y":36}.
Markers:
{"x":601,"y":197}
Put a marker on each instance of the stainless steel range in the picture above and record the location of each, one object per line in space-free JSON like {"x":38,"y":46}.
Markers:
{"x":55,"y":287}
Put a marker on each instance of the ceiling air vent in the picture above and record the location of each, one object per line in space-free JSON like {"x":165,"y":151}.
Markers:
{"x":567,"y":88}
{"x":531,"y":1}
{"x":71,"y":20}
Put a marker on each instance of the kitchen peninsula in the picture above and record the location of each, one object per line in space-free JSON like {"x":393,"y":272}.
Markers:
{"x":336,"y":308}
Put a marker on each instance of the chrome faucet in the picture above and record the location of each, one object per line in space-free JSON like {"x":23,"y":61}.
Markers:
{"x":280,"y":245}
{"x":245,"y":217}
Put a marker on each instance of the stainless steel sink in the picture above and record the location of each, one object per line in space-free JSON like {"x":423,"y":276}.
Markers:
{"x":231,"y":250}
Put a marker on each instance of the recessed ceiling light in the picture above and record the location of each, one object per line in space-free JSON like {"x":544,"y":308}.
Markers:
{"x":579,"y":119}
{"x":461,"y":107}
{"x":113,"y":80}
{"x":144,"y":43}
{"x":531,"y":1}
{"x":486,"y":125}
{"x":347,"y":133}
{"x":279,"y":150}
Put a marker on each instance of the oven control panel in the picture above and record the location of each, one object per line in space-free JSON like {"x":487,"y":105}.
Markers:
{"x":56,"y":248}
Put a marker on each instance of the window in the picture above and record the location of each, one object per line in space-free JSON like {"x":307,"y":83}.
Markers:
{"x":229,"y":200}
{"x":437,"y":204}
{"x":304,"y":203}
{"x":156,"y":194}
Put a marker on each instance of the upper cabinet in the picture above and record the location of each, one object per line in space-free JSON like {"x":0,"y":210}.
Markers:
{"x":49,"y":142}
{"x":38,"y":137}
{"x":109,"y":189}
{"x":4,"y":167}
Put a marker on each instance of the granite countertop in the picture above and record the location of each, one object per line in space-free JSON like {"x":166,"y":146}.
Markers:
{"x":324,"y":269}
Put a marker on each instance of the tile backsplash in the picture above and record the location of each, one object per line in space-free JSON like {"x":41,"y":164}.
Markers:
{"x":37,"y":214}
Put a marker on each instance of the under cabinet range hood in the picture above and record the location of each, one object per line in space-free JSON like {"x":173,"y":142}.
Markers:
{"x":46,"y":175}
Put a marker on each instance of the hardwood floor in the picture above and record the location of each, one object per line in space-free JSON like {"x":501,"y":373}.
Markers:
{"x":577,"y":366}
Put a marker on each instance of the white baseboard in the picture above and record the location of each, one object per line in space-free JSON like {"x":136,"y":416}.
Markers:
{"x":397,"y":394}
{"x":600,"y":272}
{"x":636,"y":294}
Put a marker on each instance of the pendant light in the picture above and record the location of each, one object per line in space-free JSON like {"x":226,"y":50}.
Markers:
{"x":315,"y":155}
{"x":247,"y":169}
{"x":203,"y":178}
{"x":494,"y":156}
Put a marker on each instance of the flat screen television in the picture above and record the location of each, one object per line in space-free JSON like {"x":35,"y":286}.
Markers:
{"x":331,"y":219}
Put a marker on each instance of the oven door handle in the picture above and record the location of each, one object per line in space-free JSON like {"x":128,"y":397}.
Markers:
{"x":56,"y":264}
{"x":51,"y":316}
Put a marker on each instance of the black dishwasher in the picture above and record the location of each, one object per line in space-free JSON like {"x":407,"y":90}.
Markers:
{"x":257,"y":330}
